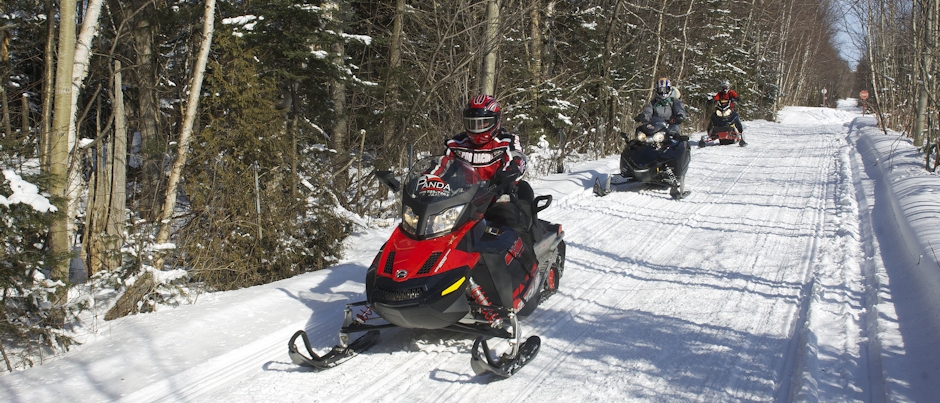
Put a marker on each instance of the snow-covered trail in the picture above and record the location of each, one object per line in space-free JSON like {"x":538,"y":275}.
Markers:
{"x":695,"y":300}
{"x":757,"y":287}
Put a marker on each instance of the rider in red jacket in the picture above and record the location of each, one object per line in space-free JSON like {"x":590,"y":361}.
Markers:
{"x":496,"y":154}
{"x":492,"y":150}
{"x":726,"y":93}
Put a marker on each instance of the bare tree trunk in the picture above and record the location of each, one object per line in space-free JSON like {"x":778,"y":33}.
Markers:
{"x":781,"y":55}
{"x":91,"y":250}
{"x":24,"y":111}
{"x":492,"y":43}
{"x":4,"y":64}
{"x":151,"y":175}
{"x":107,"y":194}
{"x":392,"y":103}
{"x":341,"y":122}
{"x":535,"y":32}
{"x":605,"y":88}
{"x":48,"y":83}
{"x":82,"y":54}
{"x":340,"y":126}
{"x":659,"y":45}
{"x":118,"y":167}
{"x":685,"y":39}
{"x":59,"y":157}
{"x":7,"y":127}
{"x":876,"y":91}
{"x":924,"y":70}
{"x":192,"y":104}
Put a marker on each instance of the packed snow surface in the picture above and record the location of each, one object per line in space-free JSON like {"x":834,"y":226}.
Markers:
{"x":801,"y":268}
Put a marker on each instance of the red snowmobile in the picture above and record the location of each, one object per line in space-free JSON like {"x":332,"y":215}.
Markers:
{"x":722,"y":130}
{"x":450,"y":265}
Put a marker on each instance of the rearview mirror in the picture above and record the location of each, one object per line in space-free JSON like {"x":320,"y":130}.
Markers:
{"x":388,"y":179}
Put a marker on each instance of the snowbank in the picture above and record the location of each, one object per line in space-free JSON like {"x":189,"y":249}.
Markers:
{"x":904,"y":215}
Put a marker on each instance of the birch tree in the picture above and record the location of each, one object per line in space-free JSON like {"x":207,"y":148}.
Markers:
{"x":392,"y":77}
{"x":491,"y":43}
{"x":926,"y":53}
{"x":192,"y":104}
{"x":59,"y":141}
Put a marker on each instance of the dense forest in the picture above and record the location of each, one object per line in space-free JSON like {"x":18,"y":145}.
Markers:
{"x":194,"y":146}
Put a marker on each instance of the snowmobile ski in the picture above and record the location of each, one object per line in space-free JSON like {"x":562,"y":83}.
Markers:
{"x":679,"y":195}
{"x":609,"y":183}
{"x":336,"y":356}
{"x":600,"y":191}
{"x":505,"y":367}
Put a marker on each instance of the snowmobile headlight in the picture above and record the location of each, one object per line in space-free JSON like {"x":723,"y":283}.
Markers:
{"x":409,"y":219}
{"x":641,"y":137}
{"x":444,"y":221}
{"x":723,"y":113}
{"x":659,"y":137}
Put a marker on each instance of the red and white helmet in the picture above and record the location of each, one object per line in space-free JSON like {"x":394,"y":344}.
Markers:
{"x":481,"y":118}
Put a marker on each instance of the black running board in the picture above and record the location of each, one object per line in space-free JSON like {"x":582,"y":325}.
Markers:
{"x":336,"y":356}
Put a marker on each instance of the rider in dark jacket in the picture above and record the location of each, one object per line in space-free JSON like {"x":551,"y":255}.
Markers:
{"x":664,"y":105}
{"x":669,"y":108}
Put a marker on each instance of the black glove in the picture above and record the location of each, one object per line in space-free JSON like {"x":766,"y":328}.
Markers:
{"x":506,"y":177}
{"x":678,"y":119}
{"x":639,"y":118}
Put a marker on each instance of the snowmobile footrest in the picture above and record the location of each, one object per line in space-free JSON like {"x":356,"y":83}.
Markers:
{"x":336,"y":356}
{"x":482,"y":361}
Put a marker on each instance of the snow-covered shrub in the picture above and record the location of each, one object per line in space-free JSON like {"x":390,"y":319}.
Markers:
{"x":33,"y":311}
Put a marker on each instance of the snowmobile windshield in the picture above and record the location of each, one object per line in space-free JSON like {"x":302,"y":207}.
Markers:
{"x":724,"y":108}
{"x":437,"y":196}
{"x":655,"y":125}
{"x":434,"y":179}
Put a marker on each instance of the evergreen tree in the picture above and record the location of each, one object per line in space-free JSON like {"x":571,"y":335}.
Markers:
{"x":32,"y":317}
{"x":225,"y":242}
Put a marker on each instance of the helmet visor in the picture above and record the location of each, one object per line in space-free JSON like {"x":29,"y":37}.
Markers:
{"x":479,"y":124}
{"x":663,"y":91}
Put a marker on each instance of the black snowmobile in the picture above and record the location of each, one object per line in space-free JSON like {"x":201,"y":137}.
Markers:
{"x":449,"y":265}
{"x":651,"y":156}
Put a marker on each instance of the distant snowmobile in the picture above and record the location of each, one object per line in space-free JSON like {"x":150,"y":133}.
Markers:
{"x":448,"y":265}
{"x":722,"y":129}
{"x":651,"y":156}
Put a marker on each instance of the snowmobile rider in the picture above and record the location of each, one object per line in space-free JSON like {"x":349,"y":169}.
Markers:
{"x":669,"y":108}
{"x":726,"y":93}
{"x":664,"y":105}
{"x":496,"y":155}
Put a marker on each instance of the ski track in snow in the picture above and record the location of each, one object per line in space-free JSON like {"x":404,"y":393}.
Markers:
{"x":703,"y":299}
{"x":765,"y":284}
